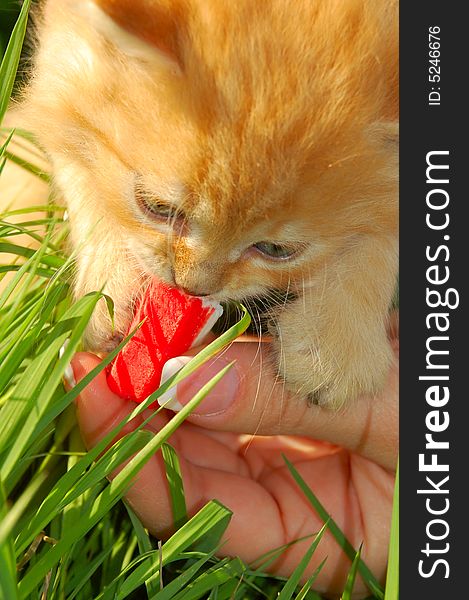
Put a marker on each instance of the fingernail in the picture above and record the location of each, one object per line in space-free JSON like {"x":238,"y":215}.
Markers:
{"x":69,"y":376}
{"x":170,"y":368}
{"x":218,"y":399}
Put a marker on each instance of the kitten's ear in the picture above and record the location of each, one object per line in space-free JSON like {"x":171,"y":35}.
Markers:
{"x":144,"y":29}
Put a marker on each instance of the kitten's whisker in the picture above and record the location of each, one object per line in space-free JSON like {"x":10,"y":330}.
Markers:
{"x":303,"y":289}
{"x":266,"y":406}
{"x":324,"y":288}
{"x":258,"y":354}
{"x":283,"y":361}
{"x":341,"y":160}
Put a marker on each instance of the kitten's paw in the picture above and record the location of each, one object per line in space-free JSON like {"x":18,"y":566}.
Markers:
{"x":343,"y":391}
{"x":332,"y":375}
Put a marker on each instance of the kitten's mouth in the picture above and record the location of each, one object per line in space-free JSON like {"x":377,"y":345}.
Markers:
{"x":261,"y":309}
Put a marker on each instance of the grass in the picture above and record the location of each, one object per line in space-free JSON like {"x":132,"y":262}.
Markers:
{"x":64,"y":531}
{"x":9,"y":10}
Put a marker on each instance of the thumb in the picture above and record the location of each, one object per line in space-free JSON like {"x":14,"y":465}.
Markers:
{"x":251,"y":398}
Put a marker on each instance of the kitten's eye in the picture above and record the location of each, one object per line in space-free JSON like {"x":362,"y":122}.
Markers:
{"x":159,"y":209}
{"x":276,"y":251}
{"x":155,"y":208}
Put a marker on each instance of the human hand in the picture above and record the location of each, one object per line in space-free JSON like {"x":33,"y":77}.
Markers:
{"x":346,"y":457}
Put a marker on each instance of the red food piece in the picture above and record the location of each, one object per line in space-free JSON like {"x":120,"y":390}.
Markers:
{"x":174,"y":323}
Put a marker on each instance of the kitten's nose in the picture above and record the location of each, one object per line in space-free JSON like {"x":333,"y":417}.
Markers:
{"x":197,"y":279}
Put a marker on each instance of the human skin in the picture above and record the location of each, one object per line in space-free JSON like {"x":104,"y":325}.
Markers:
{"x":347,"y":457}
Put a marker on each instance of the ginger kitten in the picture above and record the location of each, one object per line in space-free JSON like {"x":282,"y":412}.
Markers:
{"x":231,"y":149}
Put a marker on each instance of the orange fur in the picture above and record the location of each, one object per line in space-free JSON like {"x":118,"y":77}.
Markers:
{"x":262,"y":121}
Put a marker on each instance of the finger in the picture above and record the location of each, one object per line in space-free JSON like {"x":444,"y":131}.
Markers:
{"x":98,"y":409}
{"x":251,"y":399}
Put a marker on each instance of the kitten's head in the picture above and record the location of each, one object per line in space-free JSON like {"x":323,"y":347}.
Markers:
{"x":227,"y":147}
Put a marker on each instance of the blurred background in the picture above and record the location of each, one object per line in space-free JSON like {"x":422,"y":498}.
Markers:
{"x":9,"y":10}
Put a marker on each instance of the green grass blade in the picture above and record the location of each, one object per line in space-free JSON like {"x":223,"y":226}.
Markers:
{"x":9,"y":229}
{"x":152,"y":584}
{"x":32,"y":398}
{"x":11,"y":58}
{"x":176,"y":487}
{"x":28,"y":166}
{"x":8,"y":586}
{"x":293,"y":581}
{"x":306,"y":591}
{"x":46,"y":274}
{"x":268,"y":558}
{"x":141,"y":569}
{"x":216,"y":576}
{"x":226,"y":591}
{"x":183,"y":580}
{"x":27,"y":331}
{"x":343,"y":542}
{"x":113,"y":492}
{"x":28,"y":267}
{"x":22,"y":133}
{"x":392,"y":577}
{"x":47,"y":259}
{"x":5,"y":144}
{"x":119,"y":452}
{"x":48,"y":208}
{"x":11,"y":517}
{"x":211,"y":515}
{"x":352,"y":575}
{"x":87,"y":574}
